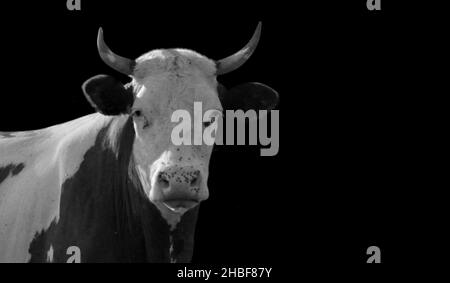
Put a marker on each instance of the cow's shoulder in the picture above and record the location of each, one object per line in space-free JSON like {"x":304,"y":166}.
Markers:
{"x":35,"y":165}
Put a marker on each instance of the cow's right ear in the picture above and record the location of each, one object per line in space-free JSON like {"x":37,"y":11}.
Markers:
{"x":108,"y":96}
{"x":248,"y":96}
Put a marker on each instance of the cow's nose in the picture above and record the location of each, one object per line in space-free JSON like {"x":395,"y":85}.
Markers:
{"x":179,"y":177}
{"x":180,"y":188}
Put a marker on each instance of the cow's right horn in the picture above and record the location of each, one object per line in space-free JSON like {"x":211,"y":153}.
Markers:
{"x":118,"y":63}
{"x":234,"y":61}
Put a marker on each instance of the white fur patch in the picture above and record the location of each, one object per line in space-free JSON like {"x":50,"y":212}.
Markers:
{"x":50,"y":254}
{"x":172,"y":218}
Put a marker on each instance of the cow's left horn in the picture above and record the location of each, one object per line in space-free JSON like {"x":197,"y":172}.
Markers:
{"x":234,"y":61}
{"x":118,"y":63}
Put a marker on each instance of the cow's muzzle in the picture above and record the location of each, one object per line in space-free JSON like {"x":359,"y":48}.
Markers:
{"x":181,"y":188}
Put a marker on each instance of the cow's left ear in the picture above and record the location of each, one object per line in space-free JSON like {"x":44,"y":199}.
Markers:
{"x":107,"y":95}
{"x":256,"y":96}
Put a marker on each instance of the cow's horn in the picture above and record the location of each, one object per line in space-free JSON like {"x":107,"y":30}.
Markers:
{"x":234,"y":61}
{"x":118,"y":63}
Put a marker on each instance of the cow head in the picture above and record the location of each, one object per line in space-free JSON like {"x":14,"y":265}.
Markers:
{"x":174,"y":177}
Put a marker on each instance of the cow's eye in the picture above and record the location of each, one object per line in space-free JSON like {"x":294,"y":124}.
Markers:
{"x":206,"y":124}
{"x":137,"y":113}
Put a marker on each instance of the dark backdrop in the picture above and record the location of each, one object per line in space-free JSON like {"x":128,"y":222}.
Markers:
{"x":335,"y":186}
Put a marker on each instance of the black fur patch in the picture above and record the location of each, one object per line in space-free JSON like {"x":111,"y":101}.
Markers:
{"x":12,"y":169}
{"x":107,"y":95}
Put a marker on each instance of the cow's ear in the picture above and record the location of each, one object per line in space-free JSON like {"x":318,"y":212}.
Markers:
{"x":256,"y":96}
{"x":107,"y":95}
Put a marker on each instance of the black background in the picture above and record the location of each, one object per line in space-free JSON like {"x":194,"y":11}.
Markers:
{"x":337,"y":184}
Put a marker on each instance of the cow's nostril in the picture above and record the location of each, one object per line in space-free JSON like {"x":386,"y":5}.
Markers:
{"x":195,"y":178}
{"x":163,"y":180}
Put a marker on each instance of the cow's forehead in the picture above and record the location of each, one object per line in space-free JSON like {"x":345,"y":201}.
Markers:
{"x":167,"y":60}
{"x":174,"y":79}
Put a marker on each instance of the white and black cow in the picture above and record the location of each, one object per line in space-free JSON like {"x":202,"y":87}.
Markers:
{"x":112,"y":184}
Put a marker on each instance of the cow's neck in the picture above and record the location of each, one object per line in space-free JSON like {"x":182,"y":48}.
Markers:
{"x":161,"y":242}
{"x":104,"y":211}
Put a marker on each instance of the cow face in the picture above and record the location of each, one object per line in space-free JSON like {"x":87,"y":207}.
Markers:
{"x":174,"y":177}
{"x":165,"y":81}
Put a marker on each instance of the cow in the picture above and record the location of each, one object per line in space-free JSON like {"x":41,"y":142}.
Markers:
{"x":111,"y":186}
